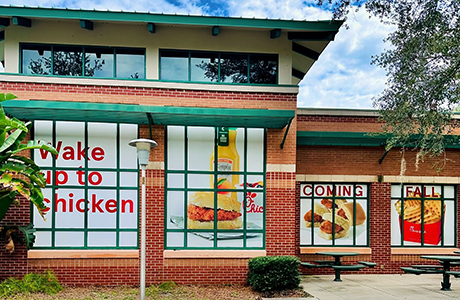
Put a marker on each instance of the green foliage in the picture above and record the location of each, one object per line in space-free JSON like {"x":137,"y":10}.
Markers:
{"x":46,"y":283}
{"x":164,"y":287}
{"x":273,"y":273}
{"x":423,"y":69}
{"x":167,"y":286}
{"x":19,"y":175}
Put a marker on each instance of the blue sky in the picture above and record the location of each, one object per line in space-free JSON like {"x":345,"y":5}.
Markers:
{"x":341,"y":78}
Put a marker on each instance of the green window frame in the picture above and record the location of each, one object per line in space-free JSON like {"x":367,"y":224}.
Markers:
{"x":416,"y":208}
{"x":181,"y":187}
{"x":123,"y":235}
{"x":218,"y":67}
{"x":328,"y":200}
{"x":86,"y":61}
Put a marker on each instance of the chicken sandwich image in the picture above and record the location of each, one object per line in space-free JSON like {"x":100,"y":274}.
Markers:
{"x":200,"y":211}
{"x":317,"y":217}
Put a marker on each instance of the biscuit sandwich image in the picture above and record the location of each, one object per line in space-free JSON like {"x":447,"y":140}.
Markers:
{"x":339,"y":229}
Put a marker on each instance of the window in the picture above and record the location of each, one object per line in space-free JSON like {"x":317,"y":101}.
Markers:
{"x":92,"y":186}
{"x":341,"y":208}
{"x":197,"y":183}
{"x":100,"y":62}
{"x":218,"y":67}
{"x":418,"y":208}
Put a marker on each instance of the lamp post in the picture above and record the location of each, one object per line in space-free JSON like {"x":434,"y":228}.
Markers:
{"x":143,"y":153}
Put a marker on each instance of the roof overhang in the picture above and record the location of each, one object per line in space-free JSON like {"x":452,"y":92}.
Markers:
{"x":332,"y":138}
{"x":160,"y":18}
{"x":358,"y":139}
{"x":146,"y":114}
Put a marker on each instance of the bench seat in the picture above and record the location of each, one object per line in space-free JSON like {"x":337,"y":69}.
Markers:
{"x":349,"y":267}
{"x":310,"y":265}
{"x":367,"y":263}
{"x":427,"y":267}
{"x":324,"y":262}
{"x":413,"y":270}
{"x":456,"y":274}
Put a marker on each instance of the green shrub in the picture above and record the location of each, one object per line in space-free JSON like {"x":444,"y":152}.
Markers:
{"x":46,"y":283}
{"x":274,"y":273}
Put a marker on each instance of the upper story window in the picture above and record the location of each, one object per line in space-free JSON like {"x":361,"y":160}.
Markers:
{"x":218,"y":67}
{"x":100,"y":62}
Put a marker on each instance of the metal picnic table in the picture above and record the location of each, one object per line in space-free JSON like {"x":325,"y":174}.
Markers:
{"x":445,"y":261}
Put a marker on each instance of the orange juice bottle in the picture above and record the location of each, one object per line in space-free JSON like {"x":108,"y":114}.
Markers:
{"x":228,"y":160}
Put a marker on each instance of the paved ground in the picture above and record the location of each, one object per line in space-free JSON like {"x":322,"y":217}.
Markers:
{"x":380,"y":287}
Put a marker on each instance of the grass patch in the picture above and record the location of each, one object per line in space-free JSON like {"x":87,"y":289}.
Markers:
{"x":45,"y":283}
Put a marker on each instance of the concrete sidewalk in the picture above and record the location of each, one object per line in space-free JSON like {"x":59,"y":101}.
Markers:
{"x":379,"y":287}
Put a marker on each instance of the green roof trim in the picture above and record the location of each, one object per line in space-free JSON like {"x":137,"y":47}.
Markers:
{"x":334,"y":138}
{"x":140,"y":114}
{"x":356,"y":139}
{"x":147,"y":17}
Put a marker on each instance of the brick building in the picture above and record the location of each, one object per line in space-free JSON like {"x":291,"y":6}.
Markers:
{"x":202,"y":88}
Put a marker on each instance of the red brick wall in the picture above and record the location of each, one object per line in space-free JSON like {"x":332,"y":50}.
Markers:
{"x":280,"y":221}
{"x":380,"y":227}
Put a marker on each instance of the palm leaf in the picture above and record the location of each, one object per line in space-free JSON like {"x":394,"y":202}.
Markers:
{"x":12,"y":140}
{"x":29,"y":237}
{"x":7,"y":96}
{"x":31,"y":171}
{"x":38,"y":145}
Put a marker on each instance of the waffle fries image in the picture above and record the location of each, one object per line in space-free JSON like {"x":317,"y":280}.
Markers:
{"x":411,"y":220}
{"x":413,"y":211}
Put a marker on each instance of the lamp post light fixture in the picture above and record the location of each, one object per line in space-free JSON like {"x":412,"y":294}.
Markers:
{"x":143,"y":153}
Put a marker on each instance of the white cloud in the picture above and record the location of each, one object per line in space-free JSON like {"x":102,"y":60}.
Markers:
{"x":342,"y":76}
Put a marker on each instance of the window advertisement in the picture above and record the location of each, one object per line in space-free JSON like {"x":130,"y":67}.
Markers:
{"x":215,"y":193}
{"x":423,"y":215}
{"x":92,"y":186}
{"x":334,"y":214}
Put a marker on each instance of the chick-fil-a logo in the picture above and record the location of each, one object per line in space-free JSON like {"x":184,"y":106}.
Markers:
{"x":251,"y":206}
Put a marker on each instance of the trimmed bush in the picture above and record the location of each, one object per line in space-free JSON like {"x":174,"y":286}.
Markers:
{"x":274,"y":273}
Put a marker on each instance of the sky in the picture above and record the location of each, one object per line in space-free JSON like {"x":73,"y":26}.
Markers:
{"x":342,"y":77}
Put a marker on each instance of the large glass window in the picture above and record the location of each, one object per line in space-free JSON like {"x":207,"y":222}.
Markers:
{"x":100,"y":62}
{"x":215,"y":191}
{"x":92,"y":186}
{"x":418,"y":208}
{"x":334,"y":214}
{"x":218,"y":67}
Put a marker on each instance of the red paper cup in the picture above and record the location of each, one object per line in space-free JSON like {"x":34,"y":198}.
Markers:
{"x":412,"y":232}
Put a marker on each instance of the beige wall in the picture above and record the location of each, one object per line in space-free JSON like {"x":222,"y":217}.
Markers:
{"x":105,"y":34}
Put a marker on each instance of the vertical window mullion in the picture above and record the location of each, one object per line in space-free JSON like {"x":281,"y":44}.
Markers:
{"x":245,"y":181}
{"x":83,"y":61}
{"x":52,"y":60}
{"x":114,"y":63}
{"x":248,"y":70}
{"x":85,"y":227}
{"x":53,"y":193}
{"x":189,"y":67}
{"x":185,"y":185}
{"x":216,"y":177}
{"x":117,"y":222}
